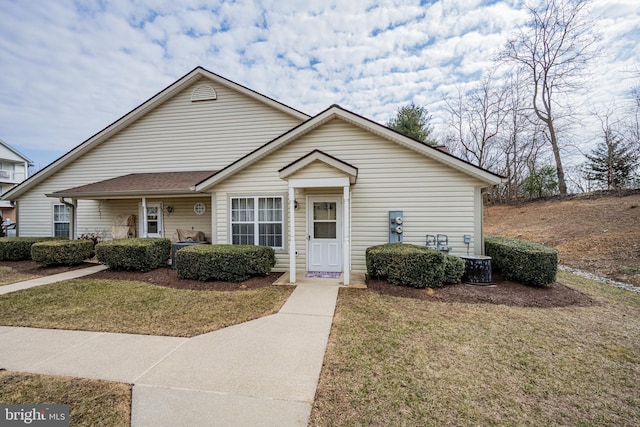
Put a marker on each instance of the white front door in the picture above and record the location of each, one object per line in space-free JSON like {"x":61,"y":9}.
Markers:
{"x":325,"y":232}
{"x":154,"y":221}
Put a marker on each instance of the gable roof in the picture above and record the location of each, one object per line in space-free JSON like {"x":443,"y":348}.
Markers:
{"x":137,"y":185}
{"x":16,"y":152}
{"x":319,"y":156}
{"x":333,"y":112}
{"x":137,"y":113}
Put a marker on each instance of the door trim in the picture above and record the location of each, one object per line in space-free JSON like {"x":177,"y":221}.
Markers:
{"x":142,"y":221}
{"x":337,"y":199}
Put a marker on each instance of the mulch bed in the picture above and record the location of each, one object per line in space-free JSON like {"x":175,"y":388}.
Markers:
{"x":505,"y":292}
{"x":169,"y":278}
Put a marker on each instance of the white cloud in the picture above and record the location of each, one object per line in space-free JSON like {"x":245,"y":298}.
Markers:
{"x":68,"y":72}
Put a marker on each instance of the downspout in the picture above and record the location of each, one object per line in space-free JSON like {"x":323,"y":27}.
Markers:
{"x":72,"y":217}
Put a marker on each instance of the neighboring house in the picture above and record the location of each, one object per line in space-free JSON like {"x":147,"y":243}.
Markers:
{"x":207,"y":154}
{"x":14,"y":168}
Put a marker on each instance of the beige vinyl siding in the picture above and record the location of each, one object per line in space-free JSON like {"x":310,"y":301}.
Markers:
{"x":435,"y":198}
{"x":180,"y":135}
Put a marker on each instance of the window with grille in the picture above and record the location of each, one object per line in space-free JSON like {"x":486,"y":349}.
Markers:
{"x":257,"y":221}
{"x":61,"y":220}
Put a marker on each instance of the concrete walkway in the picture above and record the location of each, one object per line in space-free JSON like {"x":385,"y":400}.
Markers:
{"x":260,"y":373}
{"x":47,"y":280}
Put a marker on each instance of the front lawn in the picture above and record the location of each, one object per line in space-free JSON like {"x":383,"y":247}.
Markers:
{"x":402,"y":361}
{"x":91,"y":402}
{"x":136,"y":307}
{"x":8,"y":275}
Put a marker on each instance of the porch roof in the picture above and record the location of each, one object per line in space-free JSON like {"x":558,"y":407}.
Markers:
{"x":138,"y":185}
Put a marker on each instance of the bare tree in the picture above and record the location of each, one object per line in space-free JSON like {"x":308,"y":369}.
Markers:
{"x":554,"y":48}
{"x":477,"y":117}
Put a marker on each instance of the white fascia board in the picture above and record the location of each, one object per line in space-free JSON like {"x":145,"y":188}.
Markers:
{"x":139,"y":112}
{"x":321,"y":157}
{"x":319,"y":182}
{"x":264,"y":151}
{"x":422,"y":148}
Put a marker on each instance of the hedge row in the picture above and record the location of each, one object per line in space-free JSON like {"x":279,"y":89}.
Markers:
{"x":233,"y":263}
{"x":139,"y":254}
{"x":19,"y":248}
{"x":522,"y":261}
{"x":412,"y":265}
{"x":61,"y":252}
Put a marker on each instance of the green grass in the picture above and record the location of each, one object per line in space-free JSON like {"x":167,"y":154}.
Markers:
{"x":136,"y":307}
{"x":91,"y":402}
{"x":398,"y":361}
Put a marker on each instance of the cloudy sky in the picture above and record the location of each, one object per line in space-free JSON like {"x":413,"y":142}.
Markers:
{"x":69,"y":68}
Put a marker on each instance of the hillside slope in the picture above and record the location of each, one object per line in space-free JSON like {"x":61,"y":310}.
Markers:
{"x":595,"y":233}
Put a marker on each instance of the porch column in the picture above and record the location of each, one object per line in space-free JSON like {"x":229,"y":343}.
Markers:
{"x":144,"y":217}
{"x":292,"y":235}
{"x":346,"y":233}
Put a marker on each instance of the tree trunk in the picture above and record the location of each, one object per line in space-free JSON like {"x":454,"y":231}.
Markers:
{"x":562,"y":184}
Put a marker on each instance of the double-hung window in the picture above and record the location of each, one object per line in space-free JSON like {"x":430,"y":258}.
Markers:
{"x":61,"y":220}
{"x":257,"y":221}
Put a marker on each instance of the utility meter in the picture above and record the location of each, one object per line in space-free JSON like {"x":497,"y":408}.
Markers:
{"x":396,"y":227}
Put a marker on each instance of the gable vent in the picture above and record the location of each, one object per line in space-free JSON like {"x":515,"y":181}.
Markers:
{"x":203,"y":93}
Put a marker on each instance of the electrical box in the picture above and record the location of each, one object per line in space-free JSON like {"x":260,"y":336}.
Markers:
{"x":467,"y":238}
{"x":396,"y":226}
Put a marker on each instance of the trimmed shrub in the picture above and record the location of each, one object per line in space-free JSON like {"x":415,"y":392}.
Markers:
{"x":407,"y":265}
{"x":19,"y":248}
{"x":453,"y":269}
{"x":522,"y":261}
{"x":229,"y":263}
{"x":139,"y":254}
{"x":61,"y":252}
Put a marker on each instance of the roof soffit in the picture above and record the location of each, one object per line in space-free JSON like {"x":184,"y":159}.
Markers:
{"x":337,"y":112}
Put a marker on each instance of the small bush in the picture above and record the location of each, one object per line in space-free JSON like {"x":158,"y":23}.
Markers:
{"x":19,"y":248}
{"x":453,"y":269}
{"x":229,"y":263}
{"x":522,"y":261}
{"x":139,"y":254}
{"x":407,"y":265}
{"x":61,"y":252}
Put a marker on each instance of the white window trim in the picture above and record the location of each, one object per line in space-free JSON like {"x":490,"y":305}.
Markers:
{"x":53,"y":219}
{"x":256,"y":222}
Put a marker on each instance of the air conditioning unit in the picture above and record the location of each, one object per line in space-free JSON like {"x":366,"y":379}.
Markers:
{"x":5,"y":174}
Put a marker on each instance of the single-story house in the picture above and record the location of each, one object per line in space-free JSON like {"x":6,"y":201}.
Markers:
{"x":209,"y":155}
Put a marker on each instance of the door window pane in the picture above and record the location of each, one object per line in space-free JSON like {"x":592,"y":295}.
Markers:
{"x":324,"y":230}
{"x":324,"y":211}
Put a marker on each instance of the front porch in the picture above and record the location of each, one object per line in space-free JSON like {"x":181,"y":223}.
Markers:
{"x":357,"y":280}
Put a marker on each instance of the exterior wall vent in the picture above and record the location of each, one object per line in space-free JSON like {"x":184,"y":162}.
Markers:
{"x":203,"y":93}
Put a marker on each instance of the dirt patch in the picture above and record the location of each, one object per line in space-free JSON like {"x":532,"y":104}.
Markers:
{"x":504,"y":292}
{"x":598,"y":233}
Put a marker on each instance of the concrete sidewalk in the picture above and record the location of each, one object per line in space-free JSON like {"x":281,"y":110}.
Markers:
{"x":47,"y":280}
{"x":258,"y":373}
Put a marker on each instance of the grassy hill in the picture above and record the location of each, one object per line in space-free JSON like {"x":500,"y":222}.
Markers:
{"x":595,"y":232}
